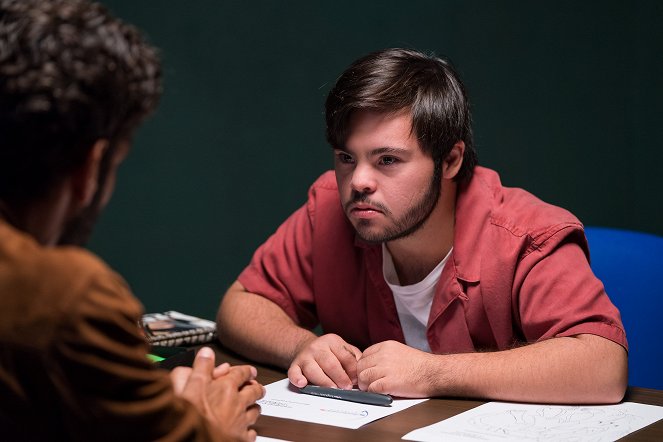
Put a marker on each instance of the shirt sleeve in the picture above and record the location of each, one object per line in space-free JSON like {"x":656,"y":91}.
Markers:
{"x":281,"y":269}
{"x":109,"y":389}
{"x":560,"y":296}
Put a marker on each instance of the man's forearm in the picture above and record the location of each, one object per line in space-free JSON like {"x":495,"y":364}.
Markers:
{"x":259,"y":329}
{"x":582,"y":369}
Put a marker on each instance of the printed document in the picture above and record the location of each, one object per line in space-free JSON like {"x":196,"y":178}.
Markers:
{"x":284,"y":400}
{"x":501,"y":421}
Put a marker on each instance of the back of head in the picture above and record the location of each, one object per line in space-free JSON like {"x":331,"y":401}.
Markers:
{"x":70,"y":74}
{"x":392,"y":80}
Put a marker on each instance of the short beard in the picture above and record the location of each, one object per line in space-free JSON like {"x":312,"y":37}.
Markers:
{"x":78,"y":230}
{"x":413,"y":219}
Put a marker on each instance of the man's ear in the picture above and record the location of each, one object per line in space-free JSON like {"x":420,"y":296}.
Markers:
{"x":86,"y":179}
{"x":453,"y":161}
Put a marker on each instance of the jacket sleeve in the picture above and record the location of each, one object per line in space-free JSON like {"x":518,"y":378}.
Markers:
{"x":109,"y":389}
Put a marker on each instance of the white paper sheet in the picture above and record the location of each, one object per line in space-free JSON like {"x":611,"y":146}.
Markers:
{"x":269,"y":439}
{"x":284,"y":400}
{"x":501,"y":421}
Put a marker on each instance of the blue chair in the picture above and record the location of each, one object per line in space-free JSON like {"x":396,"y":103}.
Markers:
{"x":630,"y":264}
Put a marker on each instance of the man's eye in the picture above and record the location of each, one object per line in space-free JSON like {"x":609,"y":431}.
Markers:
{"x":344,"y":158}
{"x":388,"y":161}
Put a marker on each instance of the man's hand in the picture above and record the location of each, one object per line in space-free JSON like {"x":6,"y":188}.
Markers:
{"x":393,"y":368}
{"x":225,"y":395}
{"x":327,"y":361}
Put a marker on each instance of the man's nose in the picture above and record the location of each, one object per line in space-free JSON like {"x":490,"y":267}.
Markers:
{"x":363,"y":179}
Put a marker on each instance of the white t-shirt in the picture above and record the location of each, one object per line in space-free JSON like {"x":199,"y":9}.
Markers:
{"x":413,"y":302}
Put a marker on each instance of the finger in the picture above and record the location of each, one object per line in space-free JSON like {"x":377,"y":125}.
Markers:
{"x":372,"y":350}
{"x":354,"y":350}
{"x":253,"y":372}
{"x":221,"y":370}
{"x":179,"y":376}
{"x":296,"y":376}
{"x":251,"y":392}
{"x":365,"y":377}
{"x":378,"y":386}
{"x":313,"y":374}
{"x":365,"y":362}
{"x":262,"y":390}
{"x":203,"y":364}
{"x":347,"y":356}
{"x":241,"y":374}
{"x":371,"y":357}
{"x":252,"y":414}
{"x":333,"y":368}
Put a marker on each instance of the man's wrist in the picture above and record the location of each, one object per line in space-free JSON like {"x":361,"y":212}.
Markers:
{"x":302,"y":341}
{"x":447,"y":375}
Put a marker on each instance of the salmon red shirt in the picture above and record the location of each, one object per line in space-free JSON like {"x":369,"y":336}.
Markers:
{"x":519,"y":272}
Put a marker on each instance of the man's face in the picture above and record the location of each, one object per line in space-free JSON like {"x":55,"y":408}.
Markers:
{"x":387,"y":184}
{"x":79,"y":229}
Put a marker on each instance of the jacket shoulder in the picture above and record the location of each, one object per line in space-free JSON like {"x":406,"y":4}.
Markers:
{"x":523,"y":214}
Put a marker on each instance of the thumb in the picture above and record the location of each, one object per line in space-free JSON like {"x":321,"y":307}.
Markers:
{"x":296,"y":376}
{"x":203,"y":364}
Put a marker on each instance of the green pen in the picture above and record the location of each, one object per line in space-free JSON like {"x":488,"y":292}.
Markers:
{"x":154,"y":358}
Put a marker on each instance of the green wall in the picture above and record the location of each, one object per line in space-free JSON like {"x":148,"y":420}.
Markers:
{"x":567,"y":101}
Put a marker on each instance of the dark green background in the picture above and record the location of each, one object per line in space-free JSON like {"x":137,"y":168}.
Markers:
{"x":567,"y":101}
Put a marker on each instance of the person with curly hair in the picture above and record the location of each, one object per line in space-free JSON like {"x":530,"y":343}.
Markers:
{"x":75,"y":84}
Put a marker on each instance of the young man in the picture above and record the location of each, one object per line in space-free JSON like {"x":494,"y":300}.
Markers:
{"x":428,"y":276}
{"x":74,"y":85}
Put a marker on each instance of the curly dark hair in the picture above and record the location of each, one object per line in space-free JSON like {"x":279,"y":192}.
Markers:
{"x":70,"y":74}
{"x":394,"y":79}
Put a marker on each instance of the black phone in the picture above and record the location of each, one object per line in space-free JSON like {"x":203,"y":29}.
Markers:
{"x":173,"y":356}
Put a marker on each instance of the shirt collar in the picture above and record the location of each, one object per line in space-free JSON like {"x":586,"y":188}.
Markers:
{"x":474,"y":204}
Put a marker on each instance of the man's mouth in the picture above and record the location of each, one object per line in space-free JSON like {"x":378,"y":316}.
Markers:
{"x":364,"y":211}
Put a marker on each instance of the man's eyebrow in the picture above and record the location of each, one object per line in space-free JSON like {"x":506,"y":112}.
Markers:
{"x":378,"y":150}
{"x":387,"y":149}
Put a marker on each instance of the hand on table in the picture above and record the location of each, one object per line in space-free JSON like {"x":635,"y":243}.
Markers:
{"x":327,"y":361}
{"x":393,"y":368}
{"x":225,"y":395}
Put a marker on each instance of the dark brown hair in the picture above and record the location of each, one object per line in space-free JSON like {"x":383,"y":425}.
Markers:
{"x":395,"y":79}
{"x":70,"y":74}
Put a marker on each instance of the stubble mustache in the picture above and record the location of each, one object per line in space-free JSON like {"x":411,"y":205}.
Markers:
{"x":362,"y":197}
